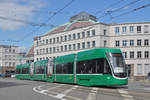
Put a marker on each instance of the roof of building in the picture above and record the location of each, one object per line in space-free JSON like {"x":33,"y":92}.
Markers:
{"x":31,"y":52}
{"x":71,"y":26}
{"x":82,"y":19}
{"x":130,"y":23}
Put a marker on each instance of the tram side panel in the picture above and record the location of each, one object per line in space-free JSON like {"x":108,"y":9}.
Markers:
{"x":64,"y":69}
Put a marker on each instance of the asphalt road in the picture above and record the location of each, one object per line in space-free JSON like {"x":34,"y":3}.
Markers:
{"x":12,"y":89}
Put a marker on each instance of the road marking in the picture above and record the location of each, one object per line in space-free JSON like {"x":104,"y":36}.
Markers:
{"x":61,"y":95}
{"x":92,"y":95}
{"x":125,"y":94}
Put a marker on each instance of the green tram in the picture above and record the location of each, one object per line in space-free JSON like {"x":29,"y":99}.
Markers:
{"x":100,"y":66}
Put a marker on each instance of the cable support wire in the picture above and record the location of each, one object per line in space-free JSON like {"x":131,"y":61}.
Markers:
{"x":118,"y":9}
{"x":136,"y":9}
{"x":114,"y":4}
{"x":48,"y":19}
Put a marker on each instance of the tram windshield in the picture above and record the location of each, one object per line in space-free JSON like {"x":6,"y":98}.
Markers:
{"x":118,"y":64}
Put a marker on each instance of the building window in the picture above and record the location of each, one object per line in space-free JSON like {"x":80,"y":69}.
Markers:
{"x":88,"y":33}
{"x":40,"y":42}
{"x":83,"y":45}
{"x":37,"y":43}
{"x":146,"y":42}
{"x":131,"y":28}
{"x":117,"y":43}
{"x":146,"y":28}
{"x":43,"y":41}
{"x":131,"y":42}
{"x":124,"y":43}
{"x":46,"y":50}
{"x":13,"y":50}
{"x":70,"y":47}
{"x":139,"y":69}
{"x":40,"y":51}
{"x":50,"y":50}
{"x":124,"y":29}
{"x":93,"y":43}
{"x":78,"y":46}
{"x":138,"y":29}
{"x":61,"y":38}
{"x":57,"y":39}
{"x":65,"y":37}
{"x":57,"y":48}
{"x":139,"y":54}
{"x":53,"y":40}
{"x":9,"y":50}
{"x":69,"y":37}
{"x":83,"y":34}
{"x":78,"y":35}
{"x":139,"y":42}
{"x":88,"y":44}
{"x":104,"y":32}
{"x":74,"y":36}
{"x":105,"y":43}
{"x":74,"y":46}
{"x":9,"y":63}
{"x":117,"y":30}
{"x":147,"y":68}
{"x":93,"y":32}
{"x":132,"y":54}
{"x":65,"y":47}
{"x":43,"y":50}
{"x":37,"y":52}
{"x":61,"y":48}
{"x":146,"y":54}
{"x":125,"y":54}
{"x":50,"y":41}
{"x":54,"y":50}
{"x":46,"y":41}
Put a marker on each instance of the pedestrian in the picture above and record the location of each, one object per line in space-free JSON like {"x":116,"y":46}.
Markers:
{"x":148,"y":76}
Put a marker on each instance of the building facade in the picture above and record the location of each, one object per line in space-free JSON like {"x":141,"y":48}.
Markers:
{"x":134,"y":41}
{"x":9,"y":58}
{"x":83,"y":32}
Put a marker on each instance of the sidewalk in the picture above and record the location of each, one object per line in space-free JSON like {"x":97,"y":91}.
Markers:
{"x":141,"y":82}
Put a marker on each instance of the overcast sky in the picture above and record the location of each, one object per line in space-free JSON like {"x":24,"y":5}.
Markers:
{"x":19,"y":19}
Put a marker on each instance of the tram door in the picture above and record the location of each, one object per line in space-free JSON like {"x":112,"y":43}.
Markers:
{"x":50,"y":67}
{"x":31,"y":70}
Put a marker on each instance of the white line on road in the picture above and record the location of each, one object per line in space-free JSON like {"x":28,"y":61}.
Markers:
{"x":92,"y":95}
{"x":125,"y":94}
{"x":61,"y":95}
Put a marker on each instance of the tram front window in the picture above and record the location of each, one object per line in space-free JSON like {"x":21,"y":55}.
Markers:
{"x":118,"y":64}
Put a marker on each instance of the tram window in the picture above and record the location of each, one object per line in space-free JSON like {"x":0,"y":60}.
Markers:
{"x":86,"y":67}
{"x":25,"y":70}
{"x":100,"y":65}
{"x":18,"y":71}
{"x":40,"y":70}
{"x":65,"y":68}
{"x":106,"y":68}
{"x":93,"y":66}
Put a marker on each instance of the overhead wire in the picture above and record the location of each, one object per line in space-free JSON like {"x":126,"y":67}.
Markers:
{"x":22,"y":39}
{"x":118,"y":9}
{"x":108,"y":7}
{"x":133,"y":10}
